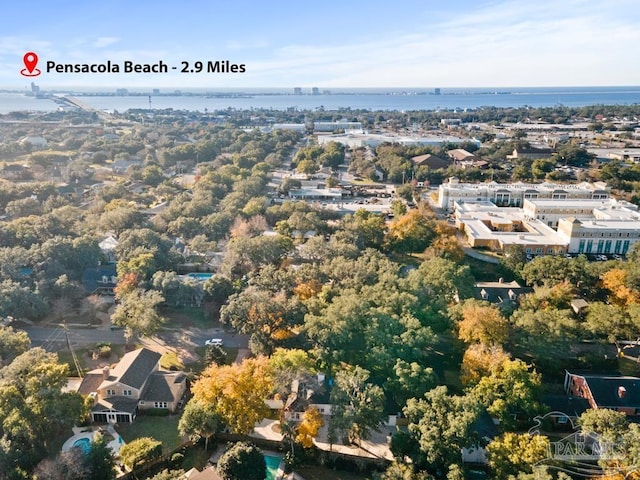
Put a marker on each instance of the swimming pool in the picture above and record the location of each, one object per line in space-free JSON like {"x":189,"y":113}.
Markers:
{"x":201,"y":276}
{"x":83,"y":444}
{"x":272,"y":466}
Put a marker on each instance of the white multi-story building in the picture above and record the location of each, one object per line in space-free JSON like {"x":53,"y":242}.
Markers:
{"x":590,"y":227}
{"x":333,"y":126}
{"x":599,"y":236}
{"x":514,"y":194}
{"x":551,"y":211}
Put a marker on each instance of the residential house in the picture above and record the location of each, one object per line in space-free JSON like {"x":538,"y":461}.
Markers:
{"x":564,"y":411}
{"x":611,"y":390}
{"x":15,"y":172}
{"x":530,"y":153}
{"x":431,"y":161}
{"x":100,"y":280}
{"x":135,"y":384}
{"x":108,"y":247}
{"x":486,"y":430}
{"x":500,"y":292}
{"x":36,"y":142}
{"x":121,"y":166}
{"x":459,"y":155}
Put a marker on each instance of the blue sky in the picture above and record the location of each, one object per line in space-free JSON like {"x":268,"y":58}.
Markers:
{"x":330,"y":44}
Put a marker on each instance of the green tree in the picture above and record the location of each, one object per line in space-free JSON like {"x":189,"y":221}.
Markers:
{"x":269,"y":318}
{"x":12,"y":344}
{"x":139,"y":451}
{"x":508,"y":390}
{"x":100,"y":459}
{"x":514,"y":259}
{"x":357,"y":406}
{"x":33,"y":408}
{"x":442,"y":425}
{"x":152,"y":175}
{"x":442,"y":279}
{"x":513,"y":453}
{"x":608,"y":424}
{"x":138,"y":313}
{"x":199,"y":421}
{"x":243,"y":461}
{"x":546,"y":333}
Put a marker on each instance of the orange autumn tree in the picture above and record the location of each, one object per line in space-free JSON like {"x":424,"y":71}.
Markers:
{"x":237,"y":392}
{"x":482,"y":323}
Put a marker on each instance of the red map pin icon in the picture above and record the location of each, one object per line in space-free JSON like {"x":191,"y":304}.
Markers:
{"x":30,"y":61}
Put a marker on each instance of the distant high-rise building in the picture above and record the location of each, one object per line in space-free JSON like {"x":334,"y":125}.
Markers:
{"x":315,"y":91}
{"x":122,"y":91}
{"x":35,"y":89}
{"x":436,"y":91}
{"x":156,"y":91}
{"x":297,"y":91}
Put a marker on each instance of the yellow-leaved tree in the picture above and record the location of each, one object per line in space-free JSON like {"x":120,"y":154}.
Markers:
{"x":309,"y":427}
{"x":615,"y":280}
{"x":482,"y":323}
{"x":237,"y":392}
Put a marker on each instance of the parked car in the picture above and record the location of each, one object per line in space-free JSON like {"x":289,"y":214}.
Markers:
{"x":214,"y":341}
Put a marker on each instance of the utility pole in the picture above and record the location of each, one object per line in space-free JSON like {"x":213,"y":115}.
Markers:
{"x":73,"y":353}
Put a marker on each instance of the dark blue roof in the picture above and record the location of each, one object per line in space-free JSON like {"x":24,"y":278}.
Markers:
{"x":93,"y":278}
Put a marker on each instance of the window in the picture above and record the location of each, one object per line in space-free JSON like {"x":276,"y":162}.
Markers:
{"x":581,"y":246}
{"x":127,"y":393}
{"x":607,"y":246}
{"x":589,"y":246}
{"x":528,"y":250}
{"x":110,"y":392}
{"x":625,"y":246}
{"x":618,"y":244}
{"x":562,"y":419}
{"x":549,"y":250}
{"x":160,"y":404}
{"x":539,"y":250}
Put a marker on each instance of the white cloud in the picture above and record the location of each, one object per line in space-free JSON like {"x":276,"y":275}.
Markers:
{"x":102,"y":42}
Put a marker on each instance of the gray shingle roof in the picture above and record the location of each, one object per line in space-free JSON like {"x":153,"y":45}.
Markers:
{"x":163,"y":387}
{"x":135,"y":367}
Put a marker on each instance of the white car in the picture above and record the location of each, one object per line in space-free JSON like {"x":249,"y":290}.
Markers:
{"x":214,"y":341}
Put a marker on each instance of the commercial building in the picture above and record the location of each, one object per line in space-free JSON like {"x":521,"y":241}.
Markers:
{"x":362,"y":139}
{"x":335,"y":126}
{"x":551,"y":211}
{"x":596,"y":236}
{"x":488,"y":226}
{"x":598,"y":227}
{"x":514,"y":194}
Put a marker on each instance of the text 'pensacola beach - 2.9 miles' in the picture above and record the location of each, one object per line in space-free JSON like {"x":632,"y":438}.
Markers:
{"x":209,"y":66}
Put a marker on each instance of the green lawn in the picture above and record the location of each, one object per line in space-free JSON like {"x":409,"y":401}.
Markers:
{"x":83,"y":355}
{"x":201,"y":317}
{"x":163,"y":429}
{"x":196,"y":457}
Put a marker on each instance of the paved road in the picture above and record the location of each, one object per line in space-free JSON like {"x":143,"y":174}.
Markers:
{"x":53,"y":338}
